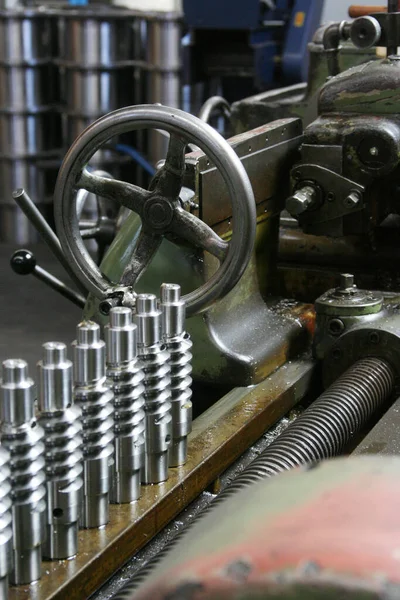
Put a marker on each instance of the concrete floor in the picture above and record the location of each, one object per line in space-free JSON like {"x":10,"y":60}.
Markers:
{"x":32,"y":313}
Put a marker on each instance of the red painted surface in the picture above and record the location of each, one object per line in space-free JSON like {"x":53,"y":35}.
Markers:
{"x":351,"y":530}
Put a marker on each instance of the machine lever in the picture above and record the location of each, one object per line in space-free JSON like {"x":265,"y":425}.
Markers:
{"x":23,"y":262}
{"x":33,"y":214}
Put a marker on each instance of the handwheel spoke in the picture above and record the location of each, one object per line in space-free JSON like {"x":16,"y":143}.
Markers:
{"x":126,"y":194}
{"x":170,"y":179}
{"x":145,"y":249}
{"x":197,"y":233}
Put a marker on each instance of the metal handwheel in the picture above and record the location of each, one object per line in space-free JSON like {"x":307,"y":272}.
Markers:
{"x":159,"y":208}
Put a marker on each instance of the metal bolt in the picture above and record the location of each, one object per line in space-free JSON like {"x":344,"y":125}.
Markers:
{"x":335,"y":326}
{"x":352,"y":200}
{"x":300,"y":200}
{"x":336,"y":353}
{"x":346,"y":281}
{"x":330,"y":197}
{"x":374,"y":337}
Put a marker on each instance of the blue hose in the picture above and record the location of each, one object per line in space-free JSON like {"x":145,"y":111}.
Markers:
{"x":137,"y":157}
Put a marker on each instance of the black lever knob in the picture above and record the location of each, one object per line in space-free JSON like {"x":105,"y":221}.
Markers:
{"x":23,"y":262}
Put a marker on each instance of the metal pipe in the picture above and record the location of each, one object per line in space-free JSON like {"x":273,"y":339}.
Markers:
{"x":392,"y":8}
{"x":333,"y":35}
{"x":322,"y":431}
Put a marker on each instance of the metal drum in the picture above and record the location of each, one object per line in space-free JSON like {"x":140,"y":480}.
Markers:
{"x":164,"y":71}
{"x":96,"y":61}
{"x":26,"y":134}
{"x":30,"y":122}
{"x":37,"y":176}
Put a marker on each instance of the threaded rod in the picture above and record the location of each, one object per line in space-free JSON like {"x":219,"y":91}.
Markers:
{"x":322,"y":431}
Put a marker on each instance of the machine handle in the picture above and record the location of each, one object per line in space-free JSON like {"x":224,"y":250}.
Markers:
{"x":356,"y":11}
{"x":23,"y":262}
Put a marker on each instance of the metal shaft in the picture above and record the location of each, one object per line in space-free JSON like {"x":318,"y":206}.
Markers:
{"x":178,"y":343}
{"x":94,"y":396}
{"x":126,"y":379}
{"x":62,"y":425}
{"x":24,"y":439}
{"x":6,"y":550}
{"x":157,"y":383}
{"x":322,"y":431}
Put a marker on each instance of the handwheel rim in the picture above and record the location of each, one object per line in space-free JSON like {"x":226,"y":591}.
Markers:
{"x":218,"y":151}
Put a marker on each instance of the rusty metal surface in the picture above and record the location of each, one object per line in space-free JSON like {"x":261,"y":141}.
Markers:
{"x":356,"y":11}
{"x":219,"y":437}
{"x":326,"y":532}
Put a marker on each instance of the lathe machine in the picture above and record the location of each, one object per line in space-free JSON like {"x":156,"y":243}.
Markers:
{"x":253,"y":284}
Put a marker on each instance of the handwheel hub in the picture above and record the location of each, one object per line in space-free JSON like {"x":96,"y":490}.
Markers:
{"x":157,"y":213}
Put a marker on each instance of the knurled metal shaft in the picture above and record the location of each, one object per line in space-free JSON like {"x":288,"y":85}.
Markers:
{"x":24,"y":439}
{"x":61,"y":421}
{"x":95,"y":398}
{"x":126,"y":380}
{"x":6,"y":549}
{"x":154,"y":359}
{"x":179,"y":344}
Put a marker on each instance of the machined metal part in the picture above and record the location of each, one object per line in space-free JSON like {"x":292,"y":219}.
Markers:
{"x":155,"y":360}
{"x":61,"y":422}
{"x":95,"y":398}
{"x":160,"y":208}
{"x":374,"y":335}
{"x":220,"y":436}
{"x":340,"y":309}
{"x":321,"y":432}
{"x":24,"y":439}
{"x":301,"y":200}
{"x":6,"y":533}
{"x":179,"y":345}
{"x":126,"y":379}
{"x":365,"y":32}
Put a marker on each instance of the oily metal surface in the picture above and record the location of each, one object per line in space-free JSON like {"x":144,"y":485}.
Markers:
{"x":219,"y":436}
{"x":383,"y":439}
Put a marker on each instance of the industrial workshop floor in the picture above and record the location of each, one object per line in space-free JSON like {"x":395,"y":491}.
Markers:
{"x":32,"y":313}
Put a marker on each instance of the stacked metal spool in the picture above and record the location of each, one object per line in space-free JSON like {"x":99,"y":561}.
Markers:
{"x":30,"y":123}
{"x":96,"y":66}
{"x":164,"y":71}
